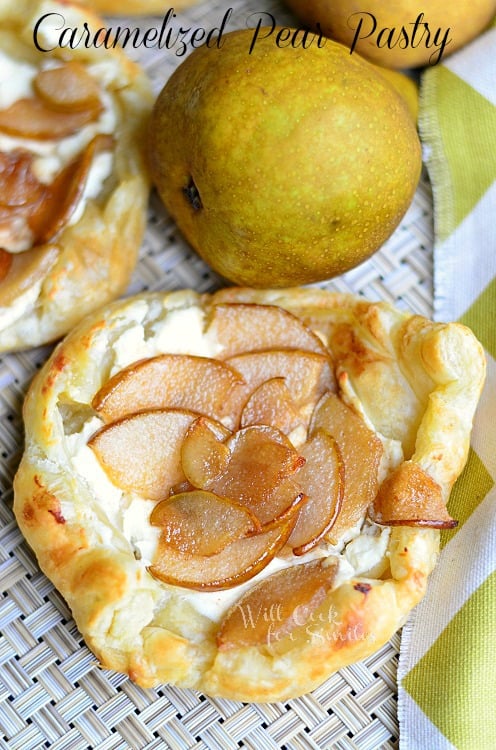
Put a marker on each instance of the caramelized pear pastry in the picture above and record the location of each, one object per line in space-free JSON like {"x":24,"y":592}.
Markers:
{"x":242,"y":492}
{"x":73,"y":183}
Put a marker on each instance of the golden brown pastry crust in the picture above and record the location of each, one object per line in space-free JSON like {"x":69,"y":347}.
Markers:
{"x":90,"y":262}
{"x":431,"y":372}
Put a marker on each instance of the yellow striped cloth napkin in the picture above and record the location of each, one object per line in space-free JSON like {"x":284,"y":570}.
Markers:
{"x":447,"y":671}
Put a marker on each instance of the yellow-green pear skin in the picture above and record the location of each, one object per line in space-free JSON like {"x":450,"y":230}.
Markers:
{"x":383,"y":32}
{"x":284,"y":166}
{"x":406,"y":87}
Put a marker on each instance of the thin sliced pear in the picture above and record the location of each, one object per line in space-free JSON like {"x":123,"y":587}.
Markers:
{"x":206,"y":462}
{"x":21,"y":195}
{"x":25,"y":270}
{"x":235,"y":564}
{"x":179,"y":381}
{"x":284,"y":502}
{"x":46,"y":209}
{"x":64,"y":193}
{"x":261,"y":457}
{"x":68,"y":88}
{"x":33,"y":118}
{"x":5,"y":263}
{"x":322,"y":480}
{"x":277,"y":605}
{"x":271,"y":404}
{"x":141,"y":453}
{"x":361,"y":450}
{"x":242,"y":327}
{"x":201,"y":523}
{"x":308,"y":375}
{"x":183,"y":486}
{"x":203,"y":454}
{"x":19,"y":186}
{"x":410,"y":497}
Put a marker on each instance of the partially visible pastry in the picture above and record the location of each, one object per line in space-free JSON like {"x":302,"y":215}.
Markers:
{"x":73,"y":183}
{"x":242,"y":493}
{"x":136,"y":7}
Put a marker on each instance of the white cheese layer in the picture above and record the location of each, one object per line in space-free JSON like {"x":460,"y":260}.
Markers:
{"x":16,"y":79}
{"x":127,"y":516}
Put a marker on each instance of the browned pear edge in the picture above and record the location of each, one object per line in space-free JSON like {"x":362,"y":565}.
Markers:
{"x":314,"y":342}
{"x":103,"y":397}
{"x":156,"y":519}
{"x":278,"y":537}
{"x":302,"y":549}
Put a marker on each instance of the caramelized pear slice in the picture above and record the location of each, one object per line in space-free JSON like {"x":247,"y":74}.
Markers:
{"x":410,"y":497}
{"x":361,"y":450}
{"x":179,"y":381}
{"x":68,"y":88}
{"x":235,"y":564}
{"x":21,"y":194}
{"x":141,"y":453}
{"x":45,"y":209}
{"x":206,"y":461}
{"x":271,"y":404}
{"x":19,"y":187}
{"x":201,"y":523}
{"x":308,"y":375}
{"x":33,"y":118}
{"x":277,"y":605}
{"x":25,"y":270}
{"x":183,"y":486}
{"x":242,"y":327}
{"x":284,"y":502}
{"x":322,"y":480}
{"x":203,"y":454}
{"x":65,"y":192}
{"x":5,"y":263}
{"x":261,"y":457}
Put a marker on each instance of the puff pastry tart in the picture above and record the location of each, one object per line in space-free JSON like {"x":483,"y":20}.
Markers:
{"x":242,"y":493}
{"x":73,"y":183}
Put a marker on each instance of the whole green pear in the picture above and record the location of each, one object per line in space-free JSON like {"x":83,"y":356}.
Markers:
{"x":286,"y":165}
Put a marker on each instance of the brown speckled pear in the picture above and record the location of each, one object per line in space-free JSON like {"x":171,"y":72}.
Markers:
{"x":284,"y":166}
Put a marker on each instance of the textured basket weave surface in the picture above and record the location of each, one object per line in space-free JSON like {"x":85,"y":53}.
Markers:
{"x":52,"y":693}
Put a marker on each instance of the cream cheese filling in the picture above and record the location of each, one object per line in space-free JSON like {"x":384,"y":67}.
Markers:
{"x":125,"y":516}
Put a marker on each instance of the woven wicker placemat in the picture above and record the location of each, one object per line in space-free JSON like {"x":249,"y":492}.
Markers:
{"x":52,"y":693}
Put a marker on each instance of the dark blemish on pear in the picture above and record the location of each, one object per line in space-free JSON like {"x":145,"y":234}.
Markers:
{"x":192,"y":195}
